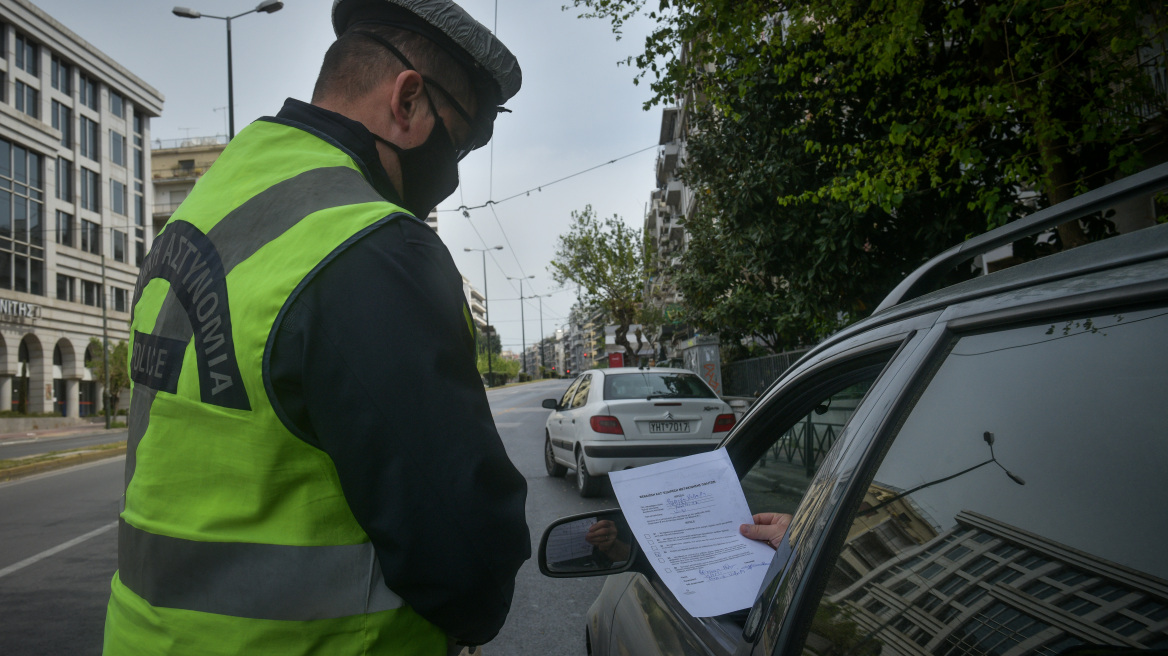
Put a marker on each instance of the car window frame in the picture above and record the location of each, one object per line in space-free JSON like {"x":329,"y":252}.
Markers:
{"x":585,"y":388}
{"x":888,"y":342}
{"x":569,"y":394}
{"x":792,"y":618}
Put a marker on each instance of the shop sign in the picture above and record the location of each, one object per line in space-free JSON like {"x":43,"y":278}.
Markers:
{"x":19,"y":310}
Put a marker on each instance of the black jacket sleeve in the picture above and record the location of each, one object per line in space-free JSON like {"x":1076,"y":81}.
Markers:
{"x":374,"y":363}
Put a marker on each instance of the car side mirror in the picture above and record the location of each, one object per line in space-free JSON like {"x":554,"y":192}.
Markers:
{"x":596,"y":543}
{"x":551,"y":404}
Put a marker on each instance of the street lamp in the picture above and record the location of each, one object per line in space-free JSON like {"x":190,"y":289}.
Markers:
{"x":487,"y":303}
{"x":522,"y":323}
{"x":542,"y":364}
{"x":265,"y":7}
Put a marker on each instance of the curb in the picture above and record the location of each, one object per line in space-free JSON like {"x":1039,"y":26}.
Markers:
{"x":61,"y":462}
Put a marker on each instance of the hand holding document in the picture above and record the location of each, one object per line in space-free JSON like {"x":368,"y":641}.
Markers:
{"x":685,"y":514}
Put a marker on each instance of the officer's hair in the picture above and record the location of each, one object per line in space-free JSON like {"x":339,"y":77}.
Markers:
{"x":355,"y":64}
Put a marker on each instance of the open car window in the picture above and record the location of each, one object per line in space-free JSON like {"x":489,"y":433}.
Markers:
{"x":1020,"y":508}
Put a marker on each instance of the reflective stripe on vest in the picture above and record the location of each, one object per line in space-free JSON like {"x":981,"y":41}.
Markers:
{"x":256,"y":581}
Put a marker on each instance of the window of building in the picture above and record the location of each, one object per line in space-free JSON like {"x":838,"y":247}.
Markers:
{"x":66,"y":288}
{"x":1123,"y":625}
{"x":64,"y":187}
{"x":957,"y":552}
{"x":27,"y":99}
{"x":117,"y":148}
{"x":3,"y":78}
{"x":62,"y":119}
{"x":62,"y":77}
{"x":1108,"y":591}
{"x":22,"y":200}
{"x":951,"y":585}
{"x":117,"y":104}
{"x":65,"y":229}
{"x":995,"y":630}
{"x":90,"y":139}
{"x":91,"y":293}
{"x":1069,"y":576}
{"x":117,"y":197}
{"x":90,"y":237}
{"x":88,"y":88}
{"x":1077,"y":605}
{"x":120,"y":299}
{"x":1151,"y":609}
{"x":26,"y":55}
{"x":1005,"y":575}
{"x":90,"y":190}
{"x":118,"y":238}
{"x":1005,"y":550}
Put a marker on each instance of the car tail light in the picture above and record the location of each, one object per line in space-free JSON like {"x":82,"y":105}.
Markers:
{"x":606,"y":424}
{"x":723,"y":423}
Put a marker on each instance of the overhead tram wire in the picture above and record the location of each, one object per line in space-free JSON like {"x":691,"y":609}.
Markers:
{"x":464,"y":208}
{"x":508,"y":240}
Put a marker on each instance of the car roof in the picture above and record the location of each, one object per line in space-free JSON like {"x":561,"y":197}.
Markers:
{"x":639,"y":370}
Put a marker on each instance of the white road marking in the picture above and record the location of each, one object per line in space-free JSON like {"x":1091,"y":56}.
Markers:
{"x":55,"y":550}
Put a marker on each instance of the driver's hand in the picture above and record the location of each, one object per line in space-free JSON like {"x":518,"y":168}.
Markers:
{"x":767,"y":527}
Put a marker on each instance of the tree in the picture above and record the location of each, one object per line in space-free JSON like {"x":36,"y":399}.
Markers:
{"x":606,"y":258}
{"x":833,"y":133}
{"x":501,"y":369}
{"x":119,"y":374}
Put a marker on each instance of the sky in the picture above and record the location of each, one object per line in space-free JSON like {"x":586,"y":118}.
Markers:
{"x":577,"y":109}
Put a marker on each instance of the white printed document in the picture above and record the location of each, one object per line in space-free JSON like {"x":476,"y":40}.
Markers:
{"x":685,"y":514}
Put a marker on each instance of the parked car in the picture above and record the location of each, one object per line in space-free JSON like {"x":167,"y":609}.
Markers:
{"x":613,"y":419}
{"x":979,"y":469}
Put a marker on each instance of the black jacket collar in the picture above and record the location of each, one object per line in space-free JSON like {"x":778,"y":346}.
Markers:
{"x":344,"y":133}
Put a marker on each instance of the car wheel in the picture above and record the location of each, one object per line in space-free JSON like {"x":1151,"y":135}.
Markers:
{"x":549,"y":459}
{"x":586,"y":484}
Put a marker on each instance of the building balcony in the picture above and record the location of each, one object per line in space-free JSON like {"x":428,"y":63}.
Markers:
{"x":673,"y":194}
{"x":667,"y":162}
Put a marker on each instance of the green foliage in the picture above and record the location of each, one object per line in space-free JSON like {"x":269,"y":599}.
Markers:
{"x":503,"y":369}
{"x":488,"y":336}
{"x":606,"y":258}
{"x":119,"y":368}
{"x":835,"y":144}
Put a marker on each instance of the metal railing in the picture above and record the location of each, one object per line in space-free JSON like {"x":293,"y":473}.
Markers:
{"x":188,"y":142}
{"x":751,"y":377}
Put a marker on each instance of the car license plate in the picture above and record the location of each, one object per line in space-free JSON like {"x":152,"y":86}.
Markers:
{"x":669,"y":427}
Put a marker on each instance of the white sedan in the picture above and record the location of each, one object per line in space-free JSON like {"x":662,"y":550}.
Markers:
{"x":614,"y":419}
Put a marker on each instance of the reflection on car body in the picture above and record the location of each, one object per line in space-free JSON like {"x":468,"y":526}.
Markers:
{"x":976,"y":470}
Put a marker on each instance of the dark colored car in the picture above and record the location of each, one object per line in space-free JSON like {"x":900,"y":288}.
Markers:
{"x":980,"y":469}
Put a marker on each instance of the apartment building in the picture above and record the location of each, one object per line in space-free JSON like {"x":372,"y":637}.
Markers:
{"x":74,"y":152}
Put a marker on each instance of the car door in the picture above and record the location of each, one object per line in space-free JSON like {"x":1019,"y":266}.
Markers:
{"x":576,"y":416}
{"x":777,"y":448}
{"x":1014,"y":504}
{"x":555,"y":424}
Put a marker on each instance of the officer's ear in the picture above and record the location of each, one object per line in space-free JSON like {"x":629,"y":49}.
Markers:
{"x":408,"y":102}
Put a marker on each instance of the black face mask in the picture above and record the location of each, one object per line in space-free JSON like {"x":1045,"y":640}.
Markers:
{"x":429,"y":172}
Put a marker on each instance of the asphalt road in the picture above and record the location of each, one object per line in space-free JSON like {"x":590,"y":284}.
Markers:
{"x":20,"y":447}
{"x":58,"y":547}
{"x":58,"y":552}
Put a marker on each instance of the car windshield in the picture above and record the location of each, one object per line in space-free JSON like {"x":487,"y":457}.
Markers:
{"x":647,"y":385}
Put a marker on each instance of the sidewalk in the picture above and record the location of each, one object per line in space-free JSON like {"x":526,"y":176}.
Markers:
{"x":65,"y":431}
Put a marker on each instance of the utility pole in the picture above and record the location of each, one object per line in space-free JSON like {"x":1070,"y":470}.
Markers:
{"x":522,"y":320}
{"x":487,"y":302}
{"x":105,"y":394}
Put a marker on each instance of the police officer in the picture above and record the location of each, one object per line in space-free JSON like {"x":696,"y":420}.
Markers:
{"x":312,"y":464}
